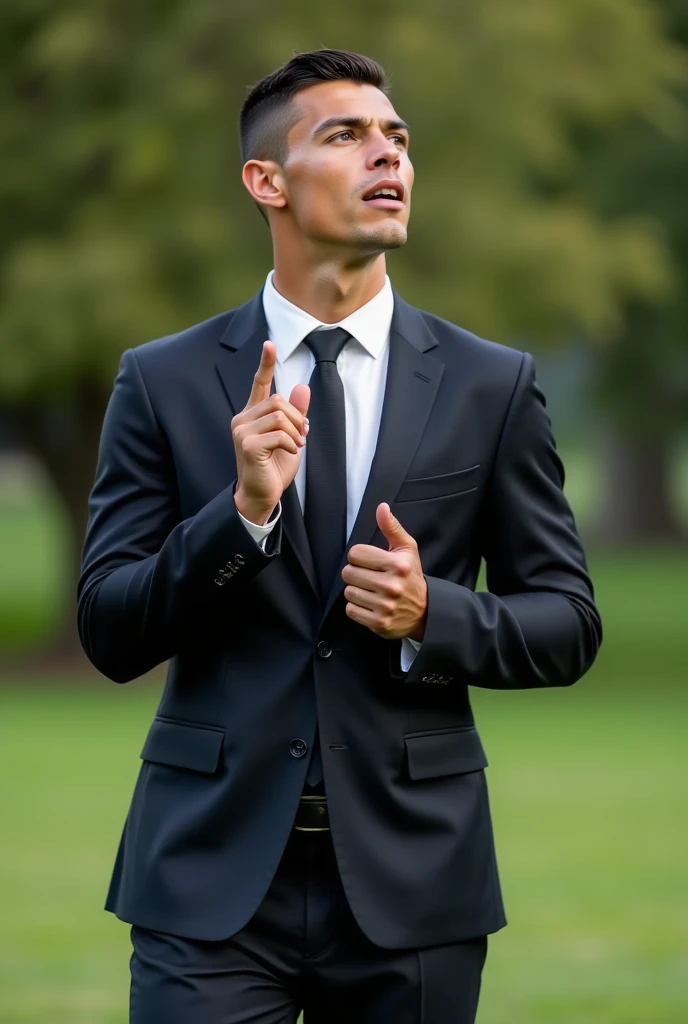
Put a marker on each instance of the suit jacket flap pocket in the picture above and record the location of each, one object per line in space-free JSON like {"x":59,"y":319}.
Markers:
{"x":183,"y":745}
{"x":441,"y":486}
{"x":449,"y":752}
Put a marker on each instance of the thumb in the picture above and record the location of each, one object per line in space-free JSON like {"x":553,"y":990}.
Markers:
{"x":392,"y":528}
{"x":300,"y":397}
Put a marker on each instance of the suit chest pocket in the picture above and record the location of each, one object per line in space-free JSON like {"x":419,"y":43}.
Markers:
{"x":445,"y":485}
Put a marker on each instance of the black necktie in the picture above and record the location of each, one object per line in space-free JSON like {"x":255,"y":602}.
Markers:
{"x":325,"y":504}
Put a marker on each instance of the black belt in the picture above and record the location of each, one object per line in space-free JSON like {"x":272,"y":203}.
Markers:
{"x":311,"y":815}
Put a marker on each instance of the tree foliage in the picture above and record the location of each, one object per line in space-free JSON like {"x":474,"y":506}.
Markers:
{"x":122,"y":216}
{"x":643,"y":381}
{"x":542,"y":134}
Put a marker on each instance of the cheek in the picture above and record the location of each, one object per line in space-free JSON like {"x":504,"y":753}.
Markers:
{"x":320,"y":194}
{"x":320,"y":211}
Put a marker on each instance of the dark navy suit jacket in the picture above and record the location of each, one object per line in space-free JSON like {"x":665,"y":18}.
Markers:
{"x":466,"y":458}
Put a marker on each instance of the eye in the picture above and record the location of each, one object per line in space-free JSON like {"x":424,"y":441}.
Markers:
{"x":402,"y":139}
{"x":341,"y":134}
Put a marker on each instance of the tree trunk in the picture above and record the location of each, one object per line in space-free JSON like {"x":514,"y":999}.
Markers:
{"x":641,"y":397}
{"x":65,"y":442}
{"x":639,"y":507}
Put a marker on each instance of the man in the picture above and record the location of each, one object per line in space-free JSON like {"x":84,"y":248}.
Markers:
{"x":310,"y":827}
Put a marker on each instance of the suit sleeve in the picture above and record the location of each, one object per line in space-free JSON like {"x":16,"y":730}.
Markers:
{"x":538,"y":625}
{"x":147,"y":576}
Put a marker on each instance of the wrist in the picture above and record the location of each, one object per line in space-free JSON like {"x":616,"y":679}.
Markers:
{"x":255,"y":512}
{"x":418,"y":632}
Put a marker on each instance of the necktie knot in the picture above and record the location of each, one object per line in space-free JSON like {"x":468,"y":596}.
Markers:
{"x":327,"y":344}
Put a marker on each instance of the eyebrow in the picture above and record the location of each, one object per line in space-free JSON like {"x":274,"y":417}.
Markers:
{"x":357,"y":122}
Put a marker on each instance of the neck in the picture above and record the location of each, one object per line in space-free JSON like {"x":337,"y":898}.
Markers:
{"x":330,"y":289}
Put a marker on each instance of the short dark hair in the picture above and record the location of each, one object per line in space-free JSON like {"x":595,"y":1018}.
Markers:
{"x":268,"y":113}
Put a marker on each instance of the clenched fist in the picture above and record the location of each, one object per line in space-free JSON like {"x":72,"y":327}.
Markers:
{"x":268,"y":436}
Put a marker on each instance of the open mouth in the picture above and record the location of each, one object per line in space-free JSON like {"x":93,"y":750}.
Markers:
{"x":387,"y":195}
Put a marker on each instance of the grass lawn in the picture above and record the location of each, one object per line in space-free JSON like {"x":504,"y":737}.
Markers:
{"x":587,"y":788}
{"x":588,"y":798}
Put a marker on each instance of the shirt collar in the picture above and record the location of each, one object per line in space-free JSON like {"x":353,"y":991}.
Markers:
{"x":288,"y":324}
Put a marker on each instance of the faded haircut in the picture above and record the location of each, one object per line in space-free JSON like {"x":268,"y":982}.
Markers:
{"x":269,"y":111}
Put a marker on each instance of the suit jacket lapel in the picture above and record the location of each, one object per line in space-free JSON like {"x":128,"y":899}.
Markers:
{"x":413,"y":378}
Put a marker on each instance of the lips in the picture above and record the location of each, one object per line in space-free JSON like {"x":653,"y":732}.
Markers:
{"x":386,"y":200}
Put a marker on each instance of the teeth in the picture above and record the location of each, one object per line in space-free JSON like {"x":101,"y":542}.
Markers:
{"x":385,"y":192}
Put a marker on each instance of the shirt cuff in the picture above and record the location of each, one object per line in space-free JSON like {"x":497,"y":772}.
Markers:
{"x":409,"y":651}
{"x":260,"y":533}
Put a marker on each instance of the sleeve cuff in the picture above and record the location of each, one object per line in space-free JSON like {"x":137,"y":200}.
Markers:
{"x":258,"y":532}
{"x":408,"y":653}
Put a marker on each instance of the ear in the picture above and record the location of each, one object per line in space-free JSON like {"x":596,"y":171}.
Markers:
{"x":264,"y":182}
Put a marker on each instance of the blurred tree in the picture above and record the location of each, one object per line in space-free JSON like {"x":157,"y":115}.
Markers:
{"x":642,"y":381}
{"x":122,"y":215}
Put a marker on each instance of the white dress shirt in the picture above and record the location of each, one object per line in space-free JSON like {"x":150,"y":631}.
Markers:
{"x":362,"y":366}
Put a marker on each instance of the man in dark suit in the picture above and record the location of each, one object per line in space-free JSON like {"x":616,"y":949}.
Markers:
{"x":310,"y":827}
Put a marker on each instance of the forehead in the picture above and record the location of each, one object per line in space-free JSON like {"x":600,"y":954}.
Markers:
{"x":330,"y":99}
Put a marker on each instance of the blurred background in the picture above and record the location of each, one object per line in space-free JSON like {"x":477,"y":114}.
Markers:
{"x":550,"y":211}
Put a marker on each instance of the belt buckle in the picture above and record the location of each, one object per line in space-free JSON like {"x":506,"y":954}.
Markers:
{"x":321,"y":810}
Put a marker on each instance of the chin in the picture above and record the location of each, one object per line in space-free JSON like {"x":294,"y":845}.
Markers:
{"x":391,"y":236}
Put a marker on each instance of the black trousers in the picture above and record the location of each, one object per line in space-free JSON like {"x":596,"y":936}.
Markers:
{"x":302,"y":950}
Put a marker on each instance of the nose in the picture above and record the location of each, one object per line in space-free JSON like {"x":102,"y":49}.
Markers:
{"x":386,"y":153}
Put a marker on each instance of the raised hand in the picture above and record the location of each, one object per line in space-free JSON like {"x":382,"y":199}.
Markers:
{"x":269,"y":434}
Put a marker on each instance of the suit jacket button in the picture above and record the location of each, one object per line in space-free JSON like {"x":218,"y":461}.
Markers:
{"x":298,"y":747}
{"x":324,"y":649}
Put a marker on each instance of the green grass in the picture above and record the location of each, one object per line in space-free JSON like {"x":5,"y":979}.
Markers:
{"x":587,"y":789}
{"x":588,"y":799}
{"x":34,"y":560}
{"x":587,"y":794}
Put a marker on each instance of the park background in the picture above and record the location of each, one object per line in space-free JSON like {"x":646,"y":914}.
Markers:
{"x":550,"y":211}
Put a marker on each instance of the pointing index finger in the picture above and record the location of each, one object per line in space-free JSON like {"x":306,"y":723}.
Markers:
{"x":262,"y":380}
